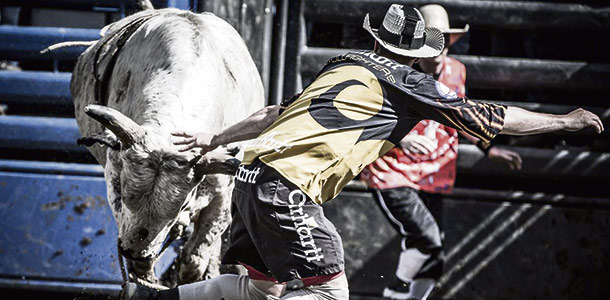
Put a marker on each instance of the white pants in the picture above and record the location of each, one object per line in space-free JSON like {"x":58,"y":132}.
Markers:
{"x":240,"y":287}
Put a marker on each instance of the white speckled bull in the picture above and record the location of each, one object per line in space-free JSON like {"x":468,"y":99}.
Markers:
{"x":152,"y":73}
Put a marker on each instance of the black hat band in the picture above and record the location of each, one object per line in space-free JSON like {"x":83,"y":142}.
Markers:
{"x":402,"y":40}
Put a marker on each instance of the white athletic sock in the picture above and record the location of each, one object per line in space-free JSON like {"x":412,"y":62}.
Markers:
{"x":409,"y":263}
{"x":227,"y":286}
{"x":421,"y":288}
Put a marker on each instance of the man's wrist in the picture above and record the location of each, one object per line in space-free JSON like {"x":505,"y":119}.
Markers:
{"x":216,"y":140}
{"x":564,"y":121}
{"x":485,"y":147}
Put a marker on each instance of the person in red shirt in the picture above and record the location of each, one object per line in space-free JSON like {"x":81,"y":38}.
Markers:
{"x":409,"y":180}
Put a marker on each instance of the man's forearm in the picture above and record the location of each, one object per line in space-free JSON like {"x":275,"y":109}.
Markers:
{"x":248,"y":128}
{"x":518,"y":121}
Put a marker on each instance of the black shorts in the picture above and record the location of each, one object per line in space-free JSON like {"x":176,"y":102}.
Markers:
{"x":278,"y":230}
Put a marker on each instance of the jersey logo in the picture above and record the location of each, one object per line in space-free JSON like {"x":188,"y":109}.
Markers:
{"x":326,"y":114}
{"x":445,"y":92}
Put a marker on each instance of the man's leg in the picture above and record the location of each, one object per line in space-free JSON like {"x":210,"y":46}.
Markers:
{"x":432,"y":270}
{"x":421,"y":236}
{"x":336,"y":289}
{"x":227,"y":287}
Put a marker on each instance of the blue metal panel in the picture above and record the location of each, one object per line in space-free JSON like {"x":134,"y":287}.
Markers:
{"x":46,"y":167}
{"x":18,"y":42}
{"x":57,"y":232}
{"x":39,"y":133}
{"x":56,"y":227}
{"x":70,"y":4}
{"x":89,"y":4}
{"x":35,"y":88}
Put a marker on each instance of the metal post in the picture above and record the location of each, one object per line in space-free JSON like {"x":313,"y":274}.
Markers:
{"x":266,"y":45}
{"x":294,"y":46}
{"x":278,"y":52}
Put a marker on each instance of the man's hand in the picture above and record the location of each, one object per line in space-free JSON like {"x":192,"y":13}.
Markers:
{"x":418,"y":144}
{"x":510,"y":158}
{"x":191,"y":140}
{"x":579,"y":119}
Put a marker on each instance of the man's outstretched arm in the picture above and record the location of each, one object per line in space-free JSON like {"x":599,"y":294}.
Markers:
{"x":246,"y":129}
{"x":518,"y":121}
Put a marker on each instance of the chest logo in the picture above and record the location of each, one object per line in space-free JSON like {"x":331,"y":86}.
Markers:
{"x":323,"y":110}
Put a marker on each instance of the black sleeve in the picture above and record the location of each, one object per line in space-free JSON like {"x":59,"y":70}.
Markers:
{"x":435,"y":101}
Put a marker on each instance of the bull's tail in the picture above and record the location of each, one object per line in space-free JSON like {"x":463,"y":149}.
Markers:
{"x":145,"y":4}
{"x":66,"y":44}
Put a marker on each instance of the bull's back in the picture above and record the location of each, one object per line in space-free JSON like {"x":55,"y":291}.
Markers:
{"x":176,"y":70}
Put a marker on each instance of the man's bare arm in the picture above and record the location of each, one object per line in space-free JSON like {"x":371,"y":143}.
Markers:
{"x":518,"y":121}
{"x":246,"y":129}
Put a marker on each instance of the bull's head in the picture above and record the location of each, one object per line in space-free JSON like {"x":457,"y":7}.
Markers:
{"x":148,"y":183}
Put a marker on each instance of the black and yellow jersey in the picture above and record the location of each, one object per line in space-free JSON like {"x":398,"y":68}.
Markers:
{"x":359,"y":106}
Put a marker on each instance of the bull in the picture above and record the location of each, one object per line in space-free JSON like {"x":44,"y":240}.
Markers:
{"x":153,"y":73}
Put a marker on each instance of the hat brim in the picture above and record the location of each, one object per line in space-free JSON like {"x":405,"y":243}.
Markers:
{"x":432,"y":47}
{"x":455,"y":34}
{"x":456,"y":30}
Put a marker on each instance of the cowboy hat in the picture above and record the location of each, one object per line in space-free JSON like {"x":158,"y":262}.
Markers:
{"x":404,"y":32}
{"x":436,"y":16}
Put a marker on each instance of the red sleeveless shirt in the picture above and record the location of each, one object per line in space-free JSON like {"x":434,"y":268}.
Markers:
{"x":433,"y":172}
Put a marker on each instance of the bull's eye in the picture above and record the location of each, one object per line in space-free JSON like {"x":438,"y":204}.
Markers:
{"x":142,"y":234}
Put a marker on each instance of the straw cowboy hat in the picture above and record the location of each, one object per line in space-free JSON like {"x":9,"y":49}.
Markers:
{"x":405,"y":33}
{"x":436,"y":16}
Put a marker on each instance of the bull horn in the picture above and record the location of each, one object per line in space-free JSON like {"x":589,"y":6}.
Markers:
{"x":216,"y":163}
{"x":122,"y":126}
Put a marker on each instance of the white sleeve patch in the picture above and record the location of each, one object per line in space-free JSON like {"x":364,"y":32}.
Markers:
{"x":445,"y":91}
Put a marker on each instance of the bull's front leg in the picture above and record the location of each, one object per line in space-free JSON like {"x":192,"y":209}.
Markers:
{"x":200,"y":258}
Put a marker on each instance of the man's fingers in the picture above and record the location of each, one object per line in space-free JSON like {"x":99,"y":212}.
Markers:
{"x":183,"y":141}
{"x":429,"y":145}
{"x":412,"y":149}
{"x":600,"y":126}
{"x":186,"y":148}
{"x":595,"y":124}
{"x":516,"y":161}
{"x":181,"y":133}
{"x":422,"y":148}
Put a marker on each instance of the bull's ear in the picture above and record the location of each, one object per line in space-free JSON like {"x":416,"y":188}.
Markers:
{"x":105,"y":138}
{"x":233,"y":150}
{"x":216,"y":163}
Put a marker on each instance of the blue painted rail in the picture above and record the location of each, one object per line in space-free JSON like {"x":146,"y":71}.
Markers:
{"x":47,"y":167}
{"x":35,"y":88}
{"x":96,"y":4}
{"x":18,"y":42}
{"x":39,"y":133}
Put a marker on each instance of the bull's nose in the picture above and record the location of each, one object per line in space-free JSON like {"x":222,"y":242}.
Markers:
{"x":142,"y":234}
{"x":125,"y":252}
{"x":131,"y":254}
